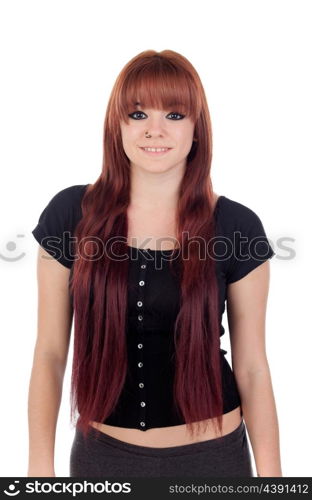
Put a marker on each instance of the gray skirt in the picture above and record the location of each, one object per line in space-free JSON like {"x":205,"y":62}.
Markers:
{"x":105,"y":456}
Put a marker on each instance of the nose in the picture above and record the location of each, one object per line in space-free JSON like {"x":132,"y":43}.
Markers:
{"x":156,"y":125}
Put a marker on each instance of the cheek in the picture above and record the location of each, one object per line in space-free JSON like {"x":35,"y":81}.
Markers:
{"x":186,"y":139}
{"x":185,"y":134}
{"x":131,"y":137}
{"x":126,"y":140}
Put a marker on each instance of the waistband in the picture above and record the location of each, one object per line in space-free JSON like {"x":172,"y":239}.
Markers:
{"x":192,"y":448}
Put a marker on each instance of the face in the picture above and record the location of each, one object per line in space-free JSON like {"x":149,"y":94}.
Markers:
{"x":168,"y":129}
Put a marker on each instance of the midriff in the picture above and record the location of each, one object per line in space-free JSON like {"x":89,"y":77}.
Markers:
{"x":176,"y":435}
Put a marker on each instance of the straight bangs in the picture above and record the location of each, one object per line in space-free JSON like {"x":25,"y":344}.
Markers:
{"x":158,"y":85}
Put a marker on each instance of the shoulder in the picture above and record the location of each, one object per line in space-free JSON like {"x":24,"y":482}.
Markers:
{"x":58,"y":220}
{"x":249,"y":246}
{"x":69,"y":196}
{"x":65,"y":205}
{"x":61,"y":212}
{"x":232,"y":214}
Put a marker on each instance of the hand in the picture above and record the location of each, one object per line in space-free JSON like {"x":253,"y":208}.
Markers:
{"x":40,"y":473}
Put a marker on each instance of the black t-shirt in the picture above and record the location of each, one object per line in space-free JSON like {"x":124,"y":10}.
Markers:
{"x":153,"y":302}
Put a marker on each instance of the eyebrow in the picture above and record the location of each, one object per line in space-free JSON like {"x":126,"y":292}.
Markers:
{"x":138,"y":104}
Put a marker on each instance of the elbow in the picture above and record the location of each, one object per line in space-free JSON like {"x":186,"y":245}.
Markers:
{"x":257,"y":371}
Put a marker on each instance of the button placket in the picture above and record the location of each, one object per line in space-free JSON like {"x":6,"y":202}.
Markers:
{"x":140,"y":343}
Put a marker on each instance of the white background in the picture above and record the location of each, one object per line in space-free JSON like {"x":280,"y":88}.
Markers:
{"x":59,"y":61}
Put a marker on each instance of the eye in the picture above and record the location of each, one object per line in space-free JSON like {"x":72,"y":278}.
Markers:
{"x":179,"y":114}
{"x":131,"y":115}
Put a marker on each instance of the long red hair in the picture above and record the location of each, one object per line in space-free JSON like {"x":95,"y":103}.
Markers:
{"x":99,"y":279}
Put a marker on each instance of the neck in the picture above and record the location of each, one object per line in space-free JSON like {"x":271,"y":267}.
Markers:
{"x":155,"y":191}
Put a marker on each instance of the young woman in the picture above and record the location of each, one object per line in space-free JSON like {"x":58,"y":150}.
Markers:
{"x":145,"y":260}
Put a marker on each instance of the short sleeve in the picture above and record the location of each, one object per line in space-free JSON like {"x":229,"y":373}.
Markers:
{"x":56,"y":224}
{"x":250,"y":245}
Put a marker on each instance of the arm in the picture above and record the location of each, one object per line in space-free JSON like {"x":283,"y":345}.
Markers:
{"x":246,"y":310}
{"x":49,"y":362}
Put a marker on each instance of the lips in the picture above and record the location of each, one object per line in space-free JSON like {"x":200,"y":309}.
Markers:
{"x":162,"y":152}
{"x":154,"y":147}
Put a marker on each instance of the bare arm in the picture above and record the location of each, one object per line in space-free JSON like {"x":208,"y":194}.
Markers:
{"x":49,"y":362}
{"x":246,"y":309}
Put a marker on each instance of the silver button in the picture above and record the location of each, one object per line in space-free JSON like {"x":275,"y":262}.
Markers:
{"x":140,"y":317}
{"x":141,"y":283}
{"x":142,"y":424}
{"x":143,"y":266}
{"x":140,"y":346}
{"x":140,"y":364}
{"x":142,"y":403}
{"x":141,"y":385}
{"x":140,"y":304}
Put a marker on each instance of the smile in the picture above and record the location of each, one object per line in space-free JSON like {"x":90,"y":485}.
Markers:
{"x":155,"y":151}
